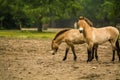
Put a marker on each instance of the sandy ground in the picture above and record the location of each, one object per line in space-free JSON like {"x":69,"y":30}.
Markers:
{"x":28,"y":59}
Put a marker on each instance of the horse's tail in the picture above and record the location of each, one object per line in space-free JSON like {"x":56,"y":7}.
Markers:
{"x":117,"y":44}
{"x":118,"y":48}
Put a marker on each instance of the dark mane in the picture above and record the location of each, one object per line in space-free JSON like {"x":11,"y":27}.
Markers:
{"x":87,"y":20}
{"x":60,"y":32}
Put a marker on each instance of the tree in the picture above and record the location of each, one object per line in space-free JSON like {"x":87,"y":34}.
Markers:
{"x":116,"y":12}
{"x":36,"y":10}
{"x":17,"y":13}
{"x":11,"y":13}
{"x":5,"y":16}
{"x":17,"y":10}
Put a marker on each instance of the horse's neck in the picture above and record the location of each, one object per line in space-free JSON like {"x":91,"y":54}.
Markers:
{"x":59,"y":40}
{"x":87,"y":31}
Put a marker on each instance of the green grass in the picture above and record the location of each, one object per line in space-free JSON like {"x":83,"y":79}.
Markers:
{"x":26,"y":34}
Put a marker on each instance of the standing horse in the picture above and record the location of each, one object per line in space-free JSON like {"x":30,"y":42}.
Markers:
{"x":70,"y":37}
{"x":99,"y":36}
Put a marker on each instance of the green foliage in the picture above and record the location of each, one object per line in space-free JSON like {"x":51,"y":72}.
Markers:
{"x":107,"y":10}
{"x":116,"y":11}
{"x":17,"y":13}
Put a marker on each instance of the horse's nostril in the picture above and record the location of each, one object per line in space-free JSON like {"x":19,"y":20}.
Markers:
{"x":81,"y":31}
{"x":53,"y":53}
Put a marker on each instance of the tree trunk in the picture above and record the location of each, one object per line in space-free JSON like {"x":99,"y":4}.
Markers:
{"x":40,"y":27}
{"x":39,"y":24}
{"x":52,"y":22}
{"x":20,"y":26}
{"x":1,"y":25}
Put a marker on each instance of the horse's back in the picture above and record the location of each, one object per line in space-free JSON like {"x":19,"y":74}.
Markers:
{"x":75,"y":36}
{"x":104,"y":34}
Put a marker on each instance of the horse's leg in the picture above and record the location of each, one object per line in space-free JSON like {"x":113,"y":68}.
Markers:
{"x":118,"y":53}
{"x":113,"y":48}
{"x":66,"y":52}
{"x":90,"y":51}
{"x":69,"y":43}
{"x":113,"y":57}
{"x":89,"y":55}
{"x":73,"y":50}
{"x":94,"y":51}
{"x":96,"y":56}
{"x":92,"y":56}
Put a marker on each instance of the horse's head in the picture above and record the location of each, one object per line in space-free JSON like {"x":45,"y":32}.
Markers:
{"x":57,"y":40}
{"x":54,"y":47}
{"x":83,"y":23}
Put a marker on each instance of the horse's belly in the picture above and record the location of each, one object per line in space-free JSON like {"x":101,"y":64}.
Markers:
{"x":101,"y":36}
{"x":78,"y":41}
{"x":101,"y":40}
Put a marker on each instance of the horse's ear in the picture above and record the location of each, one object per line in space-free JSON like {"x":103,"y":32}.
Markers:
{"x":81,"y":17}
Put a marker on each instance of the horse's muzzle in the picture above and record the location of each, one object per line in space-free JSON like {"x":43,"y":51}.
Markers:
{"x":81,"y":30}
{"x":52,"y":52}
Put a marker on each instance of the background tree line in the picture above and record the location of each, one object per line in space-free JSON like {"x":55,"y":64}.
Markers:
{"x":15,"y":14}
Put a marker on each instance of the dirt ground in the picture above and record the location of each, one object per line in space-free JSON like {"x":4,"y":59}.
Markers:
{"x":30,"y":59}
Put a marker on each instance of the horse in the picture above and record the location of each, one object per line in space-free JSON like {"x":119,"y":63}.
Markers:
{"x":98,"y":36}
{"x":70,"y":37}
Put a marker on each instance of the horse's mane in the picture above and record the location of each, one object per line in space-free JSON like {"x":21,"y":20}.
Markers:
{"x":61,"y":32}
{"x":86,"y":19}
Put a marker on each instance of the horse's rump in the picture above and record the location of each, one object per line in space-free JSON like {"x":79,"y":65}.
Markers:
{"x":113,"y":31}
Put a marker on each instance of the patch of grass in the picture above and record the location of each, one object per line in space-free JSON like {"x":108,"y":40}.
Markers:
{"x":26,"y":34}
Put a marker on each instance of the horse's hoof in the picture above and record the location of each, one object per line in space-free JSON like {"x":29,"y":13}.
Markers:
{"x":64,"y":59}
{"x":88,"y":61}
{"x":97,"y":59}
{"x":91,"y":60}
{"x":119,"y":61}
{"x":112,"y":60}
{"x":75,"y":58}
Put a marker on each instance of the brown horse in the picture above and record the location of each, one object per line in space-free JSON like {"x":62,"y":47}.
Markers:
{"x":70,"y":37}
{"x":99,"y":36}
